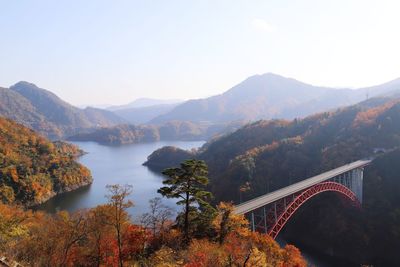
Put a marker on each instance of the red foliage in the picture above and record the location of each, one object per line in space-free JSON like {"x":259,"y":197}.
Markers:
{"x":134,"y":241}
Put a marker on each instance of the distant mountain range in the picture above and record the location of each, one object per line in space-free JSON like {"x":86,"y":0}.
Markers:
{"x":145,"y":102}
{"x":142,"y":115}
{"x":143,"y":110}
{"x":258,"y":97}
{"x":46,"y":113}
{"x":270,"y":96}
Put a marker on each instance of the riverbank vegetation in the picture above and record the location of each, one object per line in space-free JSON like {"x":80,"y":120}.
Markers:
{"x":124,"y":134}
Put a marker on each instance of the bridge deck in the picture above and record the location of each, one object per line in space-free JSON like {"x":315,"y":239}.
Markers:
{"x":291,"y":189}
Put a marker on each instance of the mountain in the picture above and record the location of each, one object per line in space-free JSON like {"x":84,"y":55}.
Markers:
{"x":269,"y":155}
{"x":145,"y":102}
{"x":302,"y":147}
{"x":33,"y":169}
{"x":46,"y":113}
{"x":140,"y":115}
{"x":15,"y":106}
{"x":270,"y":96}
{"x":100,"y":106}
{"x":100,"y":117}
{"x":143,"y":110}
{"x":391,"y":88}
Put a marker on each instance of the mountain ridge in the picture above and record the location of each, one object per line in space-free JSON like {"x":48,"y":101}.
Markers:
{"x":268,"y":96}
{"x":48,"y":114}
{"x":144,"y":102}
{"x":141,"y":115}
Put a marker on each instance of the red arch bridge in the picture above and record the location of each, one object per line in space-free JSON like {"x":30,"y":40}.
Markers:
{"x":269,"y":213}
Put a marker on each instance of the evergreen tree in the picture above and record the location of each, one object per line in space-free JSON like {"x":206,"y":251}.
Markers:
{"x":187,"y":184}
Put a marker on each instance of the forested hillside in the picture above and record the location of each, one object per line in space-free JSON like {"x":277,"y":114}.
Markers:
{"x":273,"y":154}
{"x":268,"y":155}
{"x":170,"y":131}
{"x":33,"y":169}
{"x":46,"y":113}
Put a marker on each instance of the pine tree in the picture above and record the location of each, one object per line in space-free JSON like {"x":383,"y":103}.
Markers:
{"x":187,"y":183}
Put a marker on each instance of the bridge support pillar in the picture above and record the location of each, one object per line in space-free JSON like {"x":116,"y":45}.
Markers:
{"x":353,"y":180}
{"x":357,"y":183}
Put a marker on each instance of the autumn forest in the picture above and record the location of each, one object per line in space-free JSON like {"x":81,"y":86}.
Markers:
{"x":199,"y":133}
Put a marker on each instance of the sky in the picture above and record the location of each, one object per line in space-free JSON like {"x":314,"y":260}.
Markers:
{"x":112,"y":52}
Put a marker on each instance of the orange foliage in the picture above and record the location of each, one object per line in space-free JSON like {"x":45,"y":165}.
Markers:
{"x":46,"y":167}
{"x":86,"y":238}
{"x":134,"y":241}
{"x":292,"y":257}
{"x":369,"y":116}
{"x":109,"y":251}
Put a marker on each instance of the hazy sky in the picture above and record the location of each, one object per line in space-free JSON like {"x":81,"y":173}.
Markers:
{"x":115,"y":51}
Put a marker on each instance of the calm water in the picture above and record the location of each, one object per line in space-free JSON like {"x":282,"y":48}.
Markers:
{"x":116,"y":165}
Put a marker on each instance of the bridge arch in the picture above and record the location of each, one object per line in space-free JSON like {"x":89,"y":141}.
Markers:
{"x":304,"y":197}
{"x":270,"y":212}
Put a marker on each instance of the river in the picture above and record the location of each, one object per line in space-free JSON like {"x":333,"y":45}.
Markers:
{"x":117,"y":165}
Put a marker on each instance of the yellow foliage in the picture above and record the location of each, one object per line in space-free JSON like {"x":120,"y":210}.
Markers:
{"x":257,"y":258}
{"x":165,"y":257}
{"x":41,"y":164}
{"x":227,"y":222}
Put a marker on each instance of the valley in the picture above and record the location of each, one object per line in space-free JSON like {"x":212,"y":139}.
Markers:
{"x":199,"y":133}
{"x":258,"y":156}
